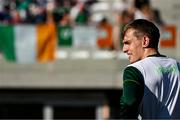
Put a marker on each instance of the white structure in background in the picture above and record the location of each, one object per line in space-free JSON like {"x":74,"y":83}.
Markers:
{"x":107,"y":8}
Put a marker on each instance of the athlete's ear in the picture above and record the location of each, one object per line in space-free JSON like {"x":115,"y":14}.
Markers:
{"x":145,"y":42}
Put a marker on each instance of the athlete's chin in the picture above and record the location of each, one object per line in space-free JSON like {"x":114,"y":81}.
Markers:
{"x":132,"y":60}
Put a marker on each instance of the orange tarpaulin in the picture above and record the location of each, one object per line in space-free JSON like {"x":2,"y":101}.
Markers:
{"x":105,"y":36}
{"x":168,"y":38}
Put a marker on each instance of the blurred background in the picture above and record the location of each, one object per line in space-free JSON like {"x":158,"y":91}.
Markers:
{"x":63,"y":59}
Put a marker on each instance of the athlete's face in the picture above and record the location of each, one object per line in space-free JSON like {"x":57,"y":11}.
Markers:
{"x":133,"y":46}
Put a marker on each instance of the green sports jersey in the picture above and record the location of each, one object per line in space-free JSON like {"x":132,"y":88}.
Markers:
{"x":65,"y":35}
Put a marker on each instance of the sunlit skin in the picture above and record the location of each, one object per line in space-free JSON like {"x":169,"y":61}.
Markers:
{"x":136,"y":47}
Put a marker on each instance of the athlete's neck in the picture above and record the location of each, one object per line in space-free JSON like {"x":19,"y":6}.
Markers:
{"x":150,"y":52}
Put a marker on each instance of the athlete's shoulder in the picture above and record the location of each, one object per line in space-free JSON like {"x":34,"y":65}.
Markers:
{"x":139,"y":63}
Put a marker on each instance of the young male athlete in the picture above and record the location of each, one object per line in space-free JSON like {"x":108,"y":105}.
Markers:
{"x":151,"y":83}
